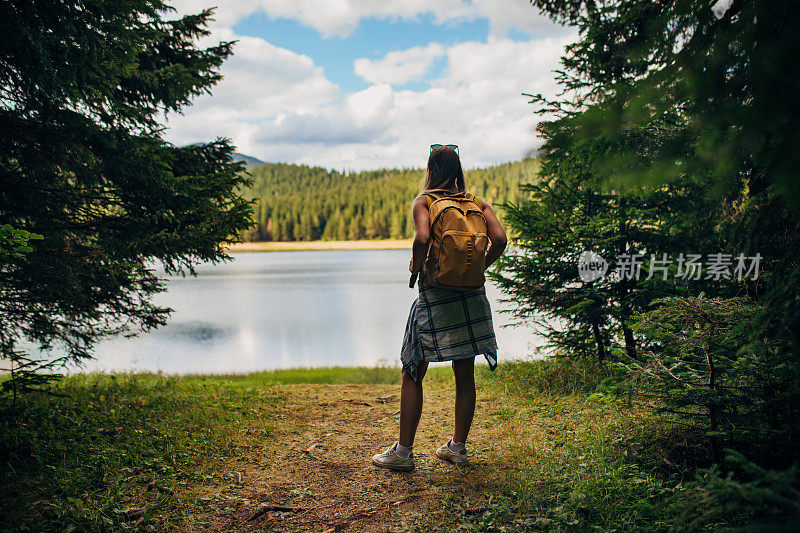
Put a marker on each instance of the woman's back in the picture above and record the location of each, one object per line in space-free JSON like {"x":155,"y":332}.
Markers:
{"x":445,"y":324}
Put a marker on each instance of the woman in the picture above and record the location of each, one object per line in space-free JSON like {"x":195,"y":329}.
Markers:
{"x":444,"y":324}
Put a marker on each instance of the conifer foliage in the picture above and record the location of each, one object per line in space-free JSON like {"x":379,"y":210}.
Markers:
{"x":302,"y":203}
{"x":83,"y":84}
{"x":675,"y":134}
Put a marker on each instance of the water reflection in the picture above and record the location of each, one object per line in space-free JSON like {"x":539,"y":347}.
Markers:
{"x":270,"y":310}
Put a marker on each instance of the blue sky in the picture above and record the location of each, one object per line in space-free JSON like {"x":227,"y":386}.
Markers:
{"x":354,"y":84}
{"x":373,"y":39}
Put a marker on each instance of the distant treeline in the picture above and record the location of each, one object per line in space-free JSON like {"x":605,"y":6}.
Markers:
{"x":301,"y":203}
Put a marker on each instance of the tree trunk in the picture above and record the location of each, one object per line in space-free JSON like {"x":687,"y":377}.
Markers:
{"x":712,"y":408}
{"x":598,"y":338}
{"x":624,"y":285}
{"x":630,"y":342}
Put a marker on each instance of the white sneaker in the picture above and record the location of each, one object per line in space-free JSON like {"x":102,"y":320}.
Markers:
{"x":445,"y":453}
{"x":390,"y":459}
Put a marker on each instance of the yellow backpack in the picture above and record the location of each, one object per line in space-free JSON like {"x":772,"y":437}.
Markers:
{"x":457,"y":252}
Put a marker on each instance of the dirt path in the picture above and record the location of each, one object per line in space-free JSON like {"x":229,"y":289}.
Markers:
{"x":316,"y":474}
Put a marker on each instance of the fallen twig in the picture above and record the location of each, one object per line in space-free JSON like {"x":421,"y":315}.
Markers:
{"x":268,"y":507}
{"x":357,"y":402}
{"x":390,"y":416}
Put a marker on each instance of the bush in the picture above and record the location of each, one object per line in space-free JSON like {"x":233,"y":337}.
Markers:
{"x":747,"y":497}
{"x":705,"y":368}
{"x":554,"y":375}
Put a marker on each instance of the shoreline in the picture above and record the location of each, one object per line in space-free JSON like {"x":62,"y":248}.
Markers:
{"x":280,"y":246}
{"x":243,"y":374}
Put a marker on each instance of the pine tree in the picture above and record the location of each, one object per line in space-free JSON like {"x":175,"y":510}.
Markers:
{"x":695,"y":102}
{"x":378,"y":195}
{"x":83,"y":163}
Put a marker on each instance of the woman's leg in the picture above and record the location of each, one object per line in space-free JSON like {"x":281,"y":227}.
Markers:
{"x":464,"y":370}
{"x":411,"y":405}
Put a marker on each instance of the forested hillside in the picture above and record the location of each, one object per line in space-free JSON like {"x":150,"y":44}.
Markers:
{"x":298,"y":202}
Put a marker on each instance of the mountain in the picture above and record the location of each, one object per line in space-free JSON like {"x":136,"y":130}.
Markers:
{"x":251,"y":162}
{"x":302,"y":203}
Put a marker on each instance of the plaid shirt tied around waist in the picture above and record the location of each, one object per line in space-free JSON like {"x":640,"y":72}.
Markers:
{"x":444,"y":325}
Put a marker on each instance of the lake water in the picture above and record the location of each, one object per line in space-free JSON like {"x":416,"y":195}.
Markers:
{"x":268,"y":310}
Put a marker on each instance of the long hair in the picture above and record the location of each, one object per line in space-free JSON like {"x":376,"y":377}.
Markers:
{"x":444,"y":171}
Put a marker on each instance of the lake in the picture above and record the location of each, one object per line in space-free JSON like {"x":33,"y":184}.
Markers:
{"x":268,"y":310}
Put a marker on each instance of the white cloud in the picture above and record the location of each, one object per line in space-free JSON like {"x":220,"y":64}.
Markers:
{"x":340,"y":17}
{"x":260,"y":81}
{"x":476,"y":103}
{"x":361,"y":119}
{"x":278,"y":105}
{"x":370,"y":104}
{"x":527,"y":64}
{"x":506,"y":14}
{"x":398,"y":67}
{"x":721,"y":7}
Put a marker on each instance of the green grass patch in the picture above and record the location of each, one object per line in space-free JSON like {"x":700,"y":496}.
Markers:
{"x":586,"y":480}
{"x":110,"y":451}
{"x":327,"y":375}
{"x":608,"y":465}
{"x":145,"y":451}
{"x":545,"y":376}
{"x":579,"y":469}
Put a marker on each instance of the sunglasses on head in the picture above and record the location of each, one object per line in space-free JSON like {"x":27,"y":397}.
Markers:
{"x":450,"y":146}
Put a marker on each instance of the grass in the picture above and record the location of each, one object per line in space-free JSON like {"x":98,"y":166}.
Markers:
{"x":328,"y":375}
{"x":91,"y":456}
{"x":152,"y":452}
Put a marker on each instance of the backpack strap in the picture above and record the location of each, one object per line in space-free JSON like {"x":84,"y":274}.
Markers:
{"x":431,"y":195}
{"x":474,"y":199}
{"x":430,"y":198}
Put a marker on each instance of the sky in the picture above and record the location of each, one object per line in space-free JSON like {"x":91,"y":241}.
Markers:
{"x":365,"y":84}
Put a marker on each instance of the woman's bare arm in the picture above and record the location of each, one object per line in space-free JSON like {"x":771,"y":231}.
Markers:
{"x":496,"y":234}
{"x":422,"y":233}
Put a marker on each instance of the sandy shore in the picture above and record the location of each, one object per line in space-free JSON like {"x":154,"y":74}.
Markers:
{"x":273,"y":246}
